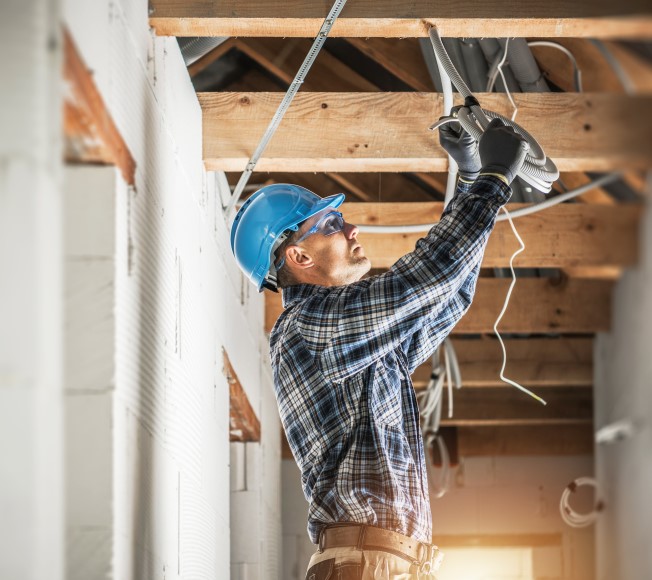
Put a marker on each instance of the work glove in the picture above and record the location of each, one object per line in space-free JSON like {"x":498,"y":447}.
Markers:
{"x":461,"y":147}
{"x":502,"y":150}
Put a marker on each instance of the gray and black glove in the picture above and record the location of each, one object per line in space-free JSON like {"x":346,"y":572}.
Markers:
{"x":461,"y":147}
{"x":502,"y":150}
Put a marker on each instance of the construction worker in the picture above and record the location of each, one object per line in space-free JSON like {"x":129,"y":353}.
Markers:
{"x":344,"y":348}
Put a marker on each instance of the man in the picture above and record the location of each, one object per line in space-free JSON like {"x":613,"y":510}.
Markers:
{"x":344,"y":348}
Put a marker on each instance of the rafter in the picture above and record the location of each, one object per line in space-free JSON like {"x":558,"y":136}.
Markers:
{"x":509,"y":407}
{"x":535,"y":362}
{"x":597,"y":74}
{"x":91,"y":136}
{"x":388,"y":131}
{"x":384,"y":18}
{"x":538,"y":305}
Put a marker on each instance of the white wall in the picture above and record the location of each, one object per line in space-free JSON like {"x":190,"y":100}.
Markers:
{"x":623,"y":390}
{"x":151,"y":296}
{"x":31,"y":443}
{"x":488,"y":495}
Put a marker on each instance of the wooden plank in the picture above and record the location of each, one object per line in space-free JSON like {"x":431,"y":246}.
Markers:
{"x":90,"y":134}
{"x":382,"y":18}
{"x":495,"y":405}
{"x":283,"y":58}
{"x":401,"y":57}
{"x":538,"y":305}
{"x":243,"y":423}
{"x":596,"y":195}
{"x":209,"y":58}
{"x":534,"y":362}
{"x":388,"y":131}
{"x":565,"y":235}
{"x":525,"y":440}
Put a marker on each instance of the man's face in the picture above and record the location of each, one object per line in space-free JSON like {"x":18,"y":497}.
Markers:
{"x":337,"y":258}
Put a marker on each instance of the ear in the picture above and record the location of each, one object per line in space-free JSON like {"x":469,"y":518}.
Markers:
{"x":298,"y":257}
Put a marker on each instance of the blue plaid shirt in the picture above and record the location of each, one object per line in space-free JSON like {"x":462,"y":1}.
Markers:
{"x":342,"y":358}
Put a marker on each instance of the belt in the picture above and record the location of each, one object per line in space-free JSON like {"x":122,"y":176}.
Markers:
{"x":364,"y":537}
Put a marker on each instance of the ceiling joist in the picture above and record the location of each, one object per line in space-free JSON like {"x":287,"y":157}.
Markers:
{"x":385,"y":18}
{"x":565,"y":235}
{"x":535,"y":362}
{"x":538,"y":305}
{"x":388,"y":131}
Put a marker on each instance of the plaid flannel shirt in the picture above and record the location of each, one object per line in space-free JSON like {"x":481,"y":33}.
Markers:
{"x":342,"y":358}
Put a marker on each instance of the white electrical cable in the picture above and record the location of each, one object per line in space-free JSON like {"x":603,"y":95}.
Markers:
{"x":577,"y":73}
{"x":499,"y":71}
{"x":316,"y":47}
{"x":502,"y":312}
{"x":534,"y":208}
{"x":447,"y":91}
{"x":569,"y":515}
{"x":438,"y":490}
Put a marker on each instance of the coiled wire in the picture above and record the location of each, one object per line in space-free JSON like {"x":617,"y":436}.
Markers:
{"x":538,"y":170}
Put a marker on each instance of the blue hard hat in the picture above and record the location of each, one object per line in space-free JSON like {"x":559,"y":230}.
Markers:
{"x":263,"y":218}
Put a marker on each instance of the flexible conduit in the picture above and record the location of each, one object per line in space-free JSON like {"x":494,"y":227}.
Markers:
{"x":538,"y":170}
{"x":285,"y":103}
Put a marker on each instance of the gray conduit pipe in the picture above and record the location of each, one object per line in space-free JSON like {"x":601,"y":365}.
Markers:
{"x":492,"y":53}
{"x":525,"y":68}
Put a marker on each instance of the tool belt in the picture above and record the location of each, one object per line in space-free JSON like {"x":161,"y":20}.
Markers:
{"x":363,"y":537}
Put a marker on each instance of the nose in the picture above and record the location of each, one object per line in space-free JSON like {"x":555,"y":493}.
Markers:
{"x":350,"y":231}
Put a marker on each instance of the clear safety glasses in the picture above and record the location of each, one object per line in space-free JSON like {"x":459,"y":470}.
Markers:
{"x":329,"y":224}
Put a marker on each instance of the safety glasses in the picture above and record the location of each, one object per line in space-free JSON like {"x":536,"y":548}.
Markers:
{"x":329,"y":224}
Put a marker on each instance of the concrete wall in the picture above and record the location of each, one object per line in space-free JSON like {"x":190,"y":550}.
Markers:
{"x":31,"y":306}
{"x":623,"y":391}
{"x":492,"y":495}
{"x":178,"y":299}
{"x":117,"y":303}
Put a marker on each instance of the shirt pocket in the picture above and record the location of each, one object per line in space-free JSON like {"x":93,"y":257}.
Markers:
{"x":386,"y":403}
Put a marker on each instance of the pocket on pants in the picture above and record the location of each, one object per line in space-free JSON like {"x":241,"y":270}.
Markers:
{"x":328,"y":570}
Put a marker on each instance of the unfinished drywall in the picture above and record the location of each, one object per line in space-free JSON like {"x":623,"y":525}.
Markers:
{"x":623,"y":392}
{"x":177,"y":300}
{"x":31,"y":443}
{"x":489,"y":496}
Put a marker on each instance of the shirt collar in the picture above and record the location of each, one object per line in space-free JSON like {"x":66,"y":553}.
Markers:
{"x":293,"y":294}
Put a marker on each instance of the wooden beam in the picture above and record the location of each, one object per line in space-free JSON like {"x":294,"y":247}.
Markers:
{"x":243,"y":424}
{"x":565,"y":235}
{"x":210,"y":57}
{"x":535,"y":362}
{"x":385,"y":18}
{"x":400,"y":56}
{"x":90,"y":134}
{"x":538,"y":305}
{"x":388,"y":131}
{"x":596,"y":195}
{"x":498,"y":405}
{"x":597,"y":75}
{"x":283,"y":58}
{"x":525,"y":440}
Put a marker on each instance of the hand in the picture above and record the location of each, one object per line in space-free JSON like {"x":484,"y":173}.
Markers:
{"x":461,"y":147}
{"x":502,"y":150}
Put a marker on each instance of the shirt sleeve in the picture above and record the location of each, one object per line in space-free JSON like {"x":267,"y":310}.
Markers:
{"x":420,"y":346}
{"x":350,"y":327}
